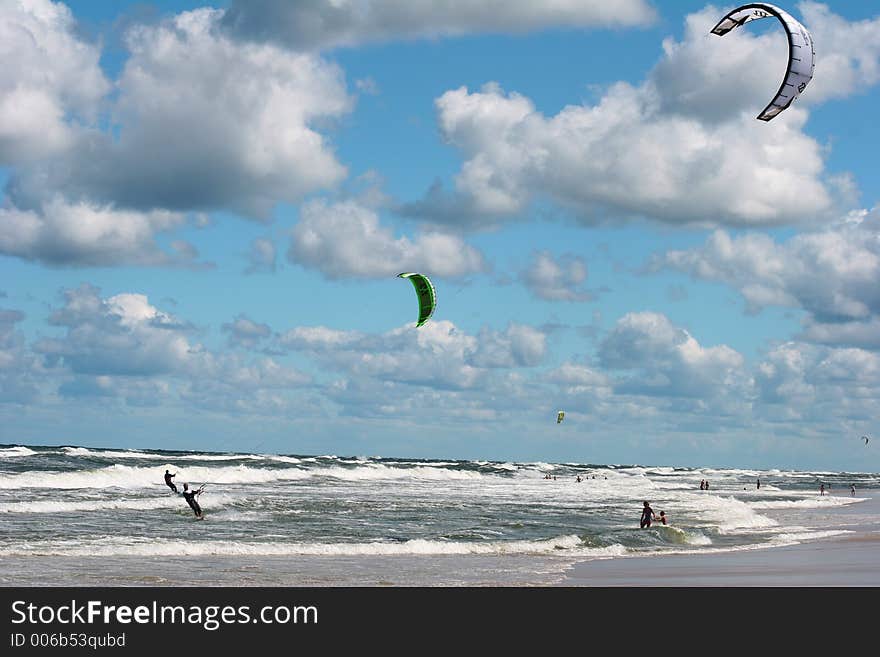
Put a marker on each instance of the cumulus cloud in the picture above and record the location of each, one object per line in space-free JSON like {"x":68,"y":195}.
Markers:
{"x":683,"y":147}
{"x":346,"y":240}
{"x":120,"y":335}
{"x":518,"y":346}
{"x":61,"y":233}
{"x":799,"y":382}
{"x":831,"y":274}
{"x":206,"y":122}
{"x":849,"y":53}
{"x":556,"y":279}
{"x":123,"y":346}
{"x":50,"y":81}
{"x":330,"y":23}
{"x":18,"y":369}
{"x":197,"y":121}
{"x":668,"y":361}
{"x":437,"y":355}
{"x":244,"y":332}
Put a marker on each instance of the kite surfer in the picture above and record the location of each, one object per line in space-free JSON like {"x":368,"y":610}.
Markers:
{"x":190,"y":497}
{"x":168,"y":481}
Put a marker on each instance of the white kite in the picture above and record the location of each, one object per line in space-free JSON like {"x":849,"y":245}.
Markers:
{"x":801,"y":55}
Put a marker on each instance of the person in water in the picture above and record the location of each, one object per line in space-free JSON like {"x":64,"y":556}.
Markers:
{"x":759,"y":483}
{"x":663,"y":517}
{"x":852,"y":490}
{"x":168,"y":481}
{"x":647,"y":516}
{"x":190,"y":497}
{"x":821,"y":489}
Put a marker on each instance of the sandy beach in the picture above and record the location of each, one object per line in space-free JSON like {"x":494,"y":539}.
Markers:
{"x":851,"y":559}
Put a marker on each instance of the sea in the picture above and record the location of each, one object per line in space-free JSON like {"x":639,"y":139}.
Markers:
{"x":87,"y":516}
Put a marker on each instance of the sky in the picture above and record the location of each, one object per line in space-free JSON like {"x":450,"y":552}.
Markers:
{"x":205,"y":207}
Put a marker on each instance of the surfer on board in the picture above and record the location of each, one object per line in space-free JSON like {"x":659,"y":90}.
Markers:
{"x":190,"y":497}
{"x":168,"y":481}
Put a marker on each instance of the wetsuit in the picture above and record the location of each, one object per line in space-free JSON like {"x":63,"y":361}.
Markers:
{"x":169,"y":482}
{"x":190,"y":497}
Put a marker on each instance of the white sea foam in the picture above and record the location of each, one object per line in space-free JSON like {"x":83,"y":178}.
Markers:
{"x":797,"y":537}
{"x":109,"y":503}
{"x":728,"y":514}
{"x":114,"y":546}
{"x":809,"y":503}
{"x":11,"y":452}
{"x":124,"y":476}
{"x":115,"y":454}
{"x":283,"y":459}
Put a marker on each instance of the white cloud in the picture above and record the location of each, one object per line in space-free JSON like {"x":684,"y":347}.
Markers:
{"x":831,"y":274}
{"x":848,"y":53}
{"x":330,"y":23}
{"x":50,"y":80}
{"x":244,"y":332}
{"x":123,"y":346}
{"x":669,"y":361}
{"x":829,"y":388}
{"x":319,"y":338}
{"x":557,"y":280}
{"x":518,"y":346}
{"x":199,"y":121}
{"x":120,"y":335}
{"x":17,"y":367}
{"x":63,"y":233}
{"x":436,"y":355}
{"x":346,"y":240}
{"x":209,"y":122}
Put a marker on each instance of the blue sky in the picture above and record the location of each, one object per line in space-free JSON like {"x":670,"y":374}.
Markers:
{"x":205,"y":206}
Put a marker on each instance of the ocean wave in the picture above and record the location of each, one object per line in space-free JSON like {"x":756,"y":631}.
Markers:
{"x":114,"y":546}
{"x":115,"y":454}
{"x":124,"y":476}
{"x":11,"y":452}
{"x":809,"y":503}
{"x":728,"y":514}
{"x":112,"y":503}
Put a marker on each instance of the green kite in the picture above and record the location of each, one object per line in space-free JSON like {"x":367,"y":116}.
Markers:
{"x":425,"y":291}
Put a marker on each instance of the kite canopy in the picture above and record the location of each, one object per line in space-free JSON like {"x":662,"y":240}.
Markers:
{"x":865,"y":438}
{"x":801,"y":55}
{"x":560,"y":416}
{"x":426,"y":294}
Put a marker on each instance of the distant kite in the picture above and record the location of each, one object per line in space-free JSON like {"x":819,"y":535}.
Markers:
{"x":865,"y":438}
{"x":560,"y":416}
{"x":801,"y":55}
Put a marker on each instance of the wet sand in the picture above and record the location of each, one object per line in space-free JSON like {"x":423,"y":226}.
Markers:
{"x":852,"y":559}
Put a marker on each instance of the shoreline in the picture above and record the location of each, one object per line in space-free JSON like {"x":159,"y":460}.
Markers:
{"x":851,"y":560}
